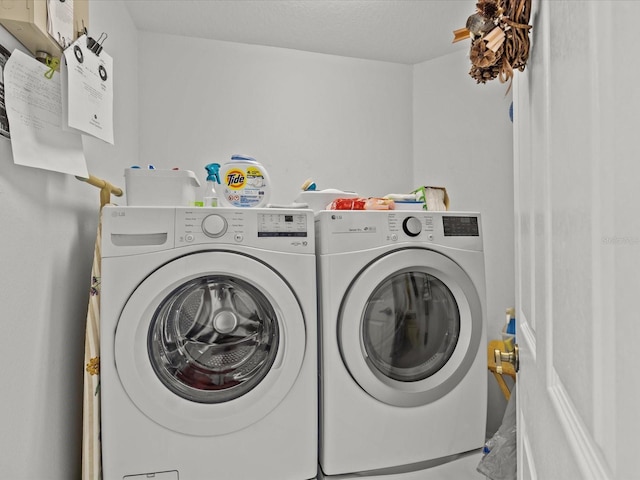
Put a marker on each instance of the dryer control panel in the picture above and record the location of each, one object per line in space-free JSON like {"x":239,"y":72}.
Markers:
{"x":344,"y":231}
{"x":460,"y":226}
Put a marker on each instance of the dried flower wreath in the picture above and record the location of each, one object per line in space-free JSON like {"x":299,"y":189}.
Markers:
{"x":499,"y":33}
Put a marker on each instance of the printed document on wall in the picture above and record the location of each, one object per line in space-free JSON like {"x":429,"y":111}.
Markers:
{"x":87,"y":84}
{"x":34,"y":109}
{"x":60,"y":21}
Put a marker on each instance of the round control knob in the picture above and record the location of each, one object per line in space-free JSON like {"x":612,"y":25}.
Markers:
{"x":214,"y":226}
{"x":412,"y":226}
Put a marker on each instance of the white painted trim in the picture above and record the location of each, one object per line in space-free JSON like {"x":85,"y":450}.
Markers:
{"x":516,"y":198}
{"x":603,"y":258}
{"x":527,"y":336}
{"x":586,"y":451}
{"x":526,"y":466}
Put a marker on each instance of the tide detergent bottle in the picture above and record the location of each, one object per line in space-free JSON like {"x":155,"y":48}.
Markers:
{"x":244,"y":183}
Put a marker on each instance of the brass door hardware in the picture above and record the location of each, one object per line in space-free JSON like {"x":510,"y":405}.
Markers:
{"x":512,"y":357}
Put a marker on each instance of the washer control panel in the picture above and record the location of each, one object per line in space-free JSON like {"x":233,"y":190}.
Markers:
{"x":282,"y":225}
{"x":273,"y":229}
{"x":214,"y":225}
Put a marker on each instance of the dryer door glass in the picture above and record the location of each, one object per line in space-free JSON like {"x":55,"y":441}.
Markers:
{"x":410,"y":326}
{"x":213,"y":339}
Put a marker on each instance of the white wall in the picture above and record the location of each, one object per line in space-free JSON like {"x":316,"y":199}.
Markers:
{"x":48,"y":223}
{"x":462,"y":138}
{"x":107,"y":161}
{"x":344,"y":122}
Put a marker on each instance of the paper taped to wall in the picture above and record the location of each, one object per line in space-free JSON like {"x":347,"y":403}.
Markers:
{"x":87,"y":90}
{"x":34,"y":109}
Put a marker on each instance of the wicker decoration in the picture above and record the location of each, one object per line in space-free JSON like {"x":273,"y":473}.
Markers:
{"x":499,"y":33}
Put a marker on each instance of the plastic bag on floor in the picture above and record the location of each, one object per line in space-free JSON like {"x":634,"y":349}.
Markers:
{"x":499,"y":461}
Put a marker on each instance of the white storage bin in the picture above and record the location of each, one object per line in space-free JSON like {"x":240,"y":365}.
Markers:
{"x":175,"y":188}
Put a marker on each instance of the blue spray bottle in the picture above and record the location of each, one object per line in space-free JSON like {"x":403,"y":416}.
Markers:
{"x":213,"y":176}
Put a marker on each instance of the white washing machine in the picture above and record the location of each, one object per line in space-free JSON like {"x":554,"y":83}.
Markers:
{"x":402,"y":320}
{"x":208,"y":344}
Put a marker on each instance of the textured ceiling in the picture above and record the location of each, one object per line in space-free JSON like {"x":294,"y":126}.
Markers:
{"x":401,"y":31}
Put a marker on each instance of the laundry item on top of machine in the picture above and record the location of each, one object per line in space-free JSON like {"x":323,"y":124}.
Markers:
{"x":160,"y":187}
{"x":210,"y":196}
{"x":406,"y":201}
{"x":434,"y":198}
{"x":317,"y":200}
{"x":422,"y":198}
{"x":245,"y":183}
{"x":334,"y":199}
{"x":361,"y":203}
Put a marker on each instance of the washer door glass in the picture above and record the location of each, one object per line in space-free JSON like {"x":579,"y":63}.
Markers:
{"x":410,"y":326}
{"x":213,"y":339}
{"x":210,"y":343}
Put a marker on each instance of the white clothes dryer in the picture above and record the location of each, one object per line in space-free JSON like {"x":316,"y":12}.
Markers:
{"x":402,"y":329}
{"x":208,"y":344}
{"x":457,"y":467}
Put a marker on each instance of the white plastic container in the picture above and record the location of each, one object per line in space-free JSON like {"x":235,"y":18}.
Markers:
{"x":175,"y":188}
{"x":244,"y":182}
{"x":318,"y":200}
